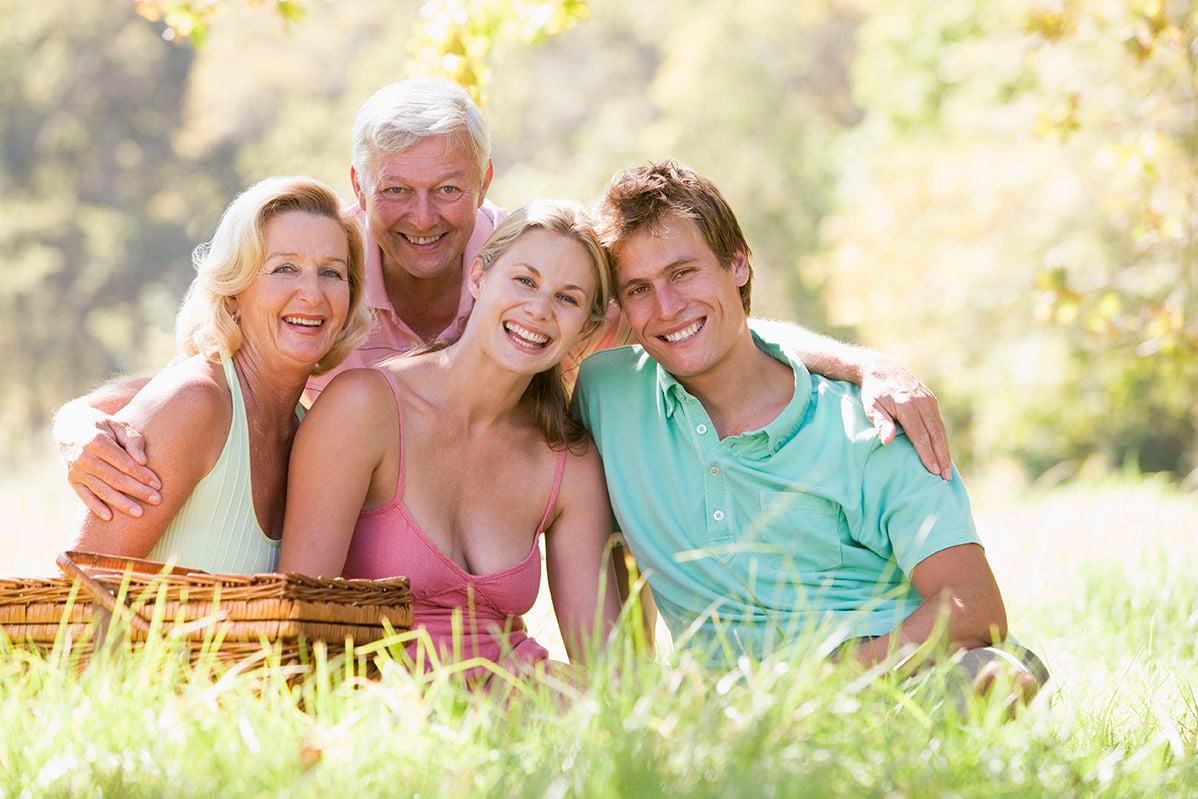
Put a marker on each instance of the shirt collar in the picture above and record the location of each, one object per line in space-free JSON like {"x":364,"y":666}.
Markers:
{"x":783,"y":428}
{"x":375,"y":294}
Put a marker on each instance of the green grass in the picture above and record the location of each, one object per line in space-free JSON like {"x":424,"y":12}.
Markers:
{"x":1098,"y":579}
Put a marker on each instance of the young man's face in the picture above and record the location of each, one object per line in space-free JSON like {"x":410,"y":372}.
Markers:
{"x":420,"y":204}
{"x":683,"y":306}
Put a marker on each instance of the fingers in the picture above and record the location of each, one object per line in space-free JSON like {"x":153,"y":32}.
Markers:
{"x":882,"y":423}
{"x":135,"y":446}
{"x":108,"y":479}
{"x":919,"y":416}
{"x":125,"y":452}
{"x":92,"y":502}
{"x":104,"y":489}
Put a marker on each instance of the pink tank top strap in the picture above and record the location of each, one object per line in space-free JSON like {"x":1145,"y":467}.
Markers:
{"x":557,"y":484}
{"x":399,"y":428}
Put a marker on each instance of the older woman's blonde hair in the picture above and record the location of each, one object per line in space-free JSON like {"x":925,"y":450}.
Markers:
{"x":232,"y":260}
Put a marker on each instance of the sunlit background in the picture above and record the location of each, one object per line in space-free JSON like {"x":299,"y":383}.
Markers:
{"x":1002,"y":195}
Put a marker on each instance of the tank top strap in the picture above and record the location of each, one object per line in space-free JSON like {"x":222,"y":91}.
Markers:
{"x":234,"y":383}
{"x":557,"y":484}
{"x":399,"y":430}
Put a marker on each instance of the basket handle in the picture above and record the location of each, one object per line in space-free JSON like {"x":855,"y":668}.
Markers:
{"x":69,"y":562}
{"x":120,"y":563}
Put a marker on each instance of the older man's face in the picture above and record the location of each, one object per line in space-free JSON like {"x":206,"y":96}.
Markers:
{"x":420,"y":204}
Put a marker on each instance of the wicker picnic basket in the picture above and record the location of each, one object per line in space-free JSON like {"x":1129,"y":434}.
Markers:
{"x":237,"y":615}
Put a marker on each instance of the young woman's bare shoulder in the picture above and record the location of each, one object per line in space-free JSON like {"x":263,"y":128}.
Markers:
{"x":353,"y":394}
{"x":584,"y":468}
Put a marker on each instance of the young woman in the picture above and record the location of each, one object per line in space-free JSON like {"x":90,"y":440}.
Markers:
{"x":448,"y":464}
{"x":277,"y":298}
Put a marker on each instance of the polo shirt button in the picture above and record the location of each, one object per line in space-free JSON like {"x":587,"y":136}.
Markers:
{"x":718,"y":516}
{"x":715,"y":471}
{"x":701,"y":429}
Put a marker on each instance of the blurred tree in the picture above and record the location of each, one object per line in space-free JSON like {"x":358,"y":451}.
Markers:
{"x":191,"y":20}
{"x":1123,"y":78}
{"x":980,"y":200}
{"x":455,"y":38}
{"x":753,"y":94}
{"x":95,"y":207}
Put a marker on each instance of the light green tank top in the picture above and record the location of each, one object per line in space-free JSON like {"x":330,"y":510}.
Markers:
{"x":216,"y":529}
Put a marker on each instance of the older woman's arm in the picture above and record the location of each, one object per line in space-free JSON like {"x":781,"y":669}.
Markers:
{"x":183,"y":415}
{"x":105,"y":457}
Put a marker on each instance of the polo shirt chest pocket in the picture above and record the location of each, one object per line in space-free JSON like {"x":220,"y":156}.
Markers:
{"x":798,"y":531}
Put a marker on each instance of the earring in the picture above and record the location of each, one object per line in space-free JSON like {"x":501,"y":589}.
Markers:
{"x":237,"y":317}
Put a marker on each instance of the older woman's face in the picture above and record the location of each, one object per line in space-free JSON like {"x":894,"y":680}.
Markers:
{"x":299,"y":301}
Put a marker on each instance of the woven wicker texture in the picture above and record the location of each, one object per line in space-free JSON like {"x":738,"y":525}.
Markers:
{"x":243,"y":610}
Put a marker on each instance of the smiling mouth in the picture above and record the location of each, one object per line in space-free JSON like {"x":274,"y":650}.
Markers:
{"x":684,"y":334}
{"x":303,"y":322}
{"x":422,"y":240}
{"x":523,"y":335}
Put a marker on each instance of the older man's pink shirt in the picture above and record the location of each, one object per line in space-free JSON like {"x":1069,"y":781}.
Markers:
{"x":390,"y":334}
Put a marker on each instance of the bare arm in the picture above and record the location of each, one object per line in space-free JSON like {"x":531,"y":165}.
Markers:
{"x":106,"y":456}
{"x":184,"y":418}
{"x":958,"y":583}
{"x":577,"y":557}
{"x":334,"y":459}
{"x":889,"y":391}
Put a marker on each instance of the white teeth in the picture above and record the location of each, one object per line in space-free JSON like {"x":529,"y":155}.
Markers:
{"x":422,"y":239}
{"x":526,"y":334}
{"x":685,"y":333}
{"x":295,"y":320}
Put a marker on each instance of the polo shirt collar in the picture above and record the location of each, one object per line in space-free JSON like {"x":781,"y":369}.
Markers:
{"x":775,"y":434}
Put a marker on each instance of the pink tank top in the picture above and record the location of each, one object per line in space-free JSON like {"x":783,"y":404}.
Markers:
{"x":466,"y":615}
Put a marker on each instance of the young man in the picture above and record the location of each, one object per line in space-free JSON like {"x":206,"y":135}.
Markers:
{"x":758,"y":498}
{"x":421,"y":168}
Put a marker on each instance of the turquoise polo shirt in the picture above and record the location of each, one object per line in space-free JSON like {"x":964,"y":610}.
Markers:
{"x":752,"y":542}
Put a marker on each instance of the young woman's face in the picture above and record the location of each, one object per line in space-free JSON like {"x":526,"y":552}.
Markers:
{"x":535,"y":300}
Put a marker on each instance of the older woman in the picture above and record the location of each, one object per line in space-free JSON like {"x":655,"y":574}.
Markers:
{"x":277,"y":298}
{"x":447,"y":465}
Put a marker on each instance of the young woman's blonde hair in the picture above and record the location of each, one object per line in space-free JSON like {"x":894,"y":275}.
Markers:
{"x":232,"y":260}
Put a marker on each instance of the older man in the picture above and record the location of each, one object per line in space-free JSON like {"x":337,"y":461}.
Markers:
{"x":421,"y":167}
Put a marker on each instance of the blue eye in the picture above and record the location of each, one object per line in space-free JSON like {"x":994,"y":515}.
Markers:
{"x":331,"y":274}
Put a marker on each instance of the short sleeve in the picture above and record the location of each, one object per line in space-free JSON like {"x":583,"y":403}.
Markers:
{"x":908,"y":511}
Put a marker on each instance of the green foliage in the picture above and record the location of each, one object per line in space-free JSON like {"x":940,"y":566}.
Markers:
{"x":639,"y":82}
{"x":455,"y":38}
{"x":1023,"y":195}
{"x":90,"y":196}
{"x":192,"y":20}
{"x":1130,"y":97}
{"x":1002,"y":195}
